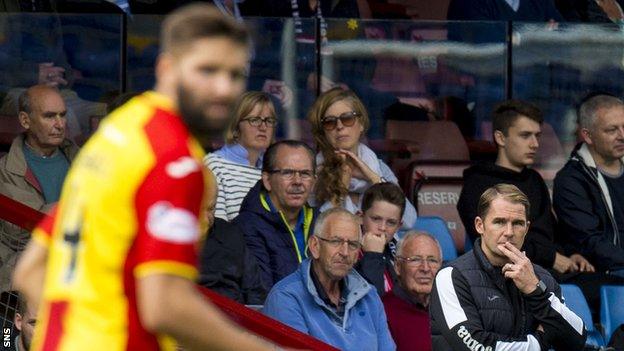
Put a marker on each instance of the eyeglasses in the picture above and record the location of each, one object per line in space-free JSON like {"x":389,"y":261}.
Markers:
{"x":288,"y":174}
{"x":418,"y":260}
{"x":380,"y":220}
{"x":353,"y":245}
{"x":257,"y":121}
{"x":347,"y":119}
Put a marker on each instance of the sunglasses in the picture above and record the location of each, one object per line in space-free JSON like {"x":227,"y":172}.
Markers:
{"x":347,"y":119}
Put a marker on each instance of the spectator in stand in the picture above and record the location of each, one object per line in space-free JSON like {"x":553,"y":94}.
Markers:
{"x":306,"y":8}
{"x":504,"y":10}
{"x":594,"y":11}
{"x":225,"y":263}
{"x":382,"y":209}
{"x":419,"y":258}
{"x":274,"y":216}
{"x":588,"y":193}
{"x":517,"y":130}
{"x":121,"y":246}
{"x":24,"y":321}
{"x":346,"y":167}
{"x":34,"y":169}
{"x":494,"y":297}
{"x":237,"y":164}
{"x":326,"y":298}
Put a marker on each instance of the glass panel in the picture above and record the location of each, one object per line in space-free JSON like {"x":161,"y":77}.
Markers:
{"x":555,"y":67}
{"x":425,"y":70}
{"x":78,"y":53}
{"x":282,"y":63}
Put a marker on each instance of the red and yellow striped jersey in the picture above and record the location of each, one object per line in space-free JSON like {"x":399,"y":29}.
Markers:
{"x":129,"y":208}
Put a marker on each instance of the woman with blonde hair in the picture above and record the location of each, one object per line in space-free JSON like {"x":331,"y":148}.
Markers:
{"x":347,"y":167}
{"x":237,"y":164}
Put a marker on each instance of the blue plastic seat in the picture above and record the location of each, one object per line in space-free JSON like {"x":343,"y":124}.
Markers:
{"x":611,"y":308}
{"x":575,"y":300}
{"x":436,"y":226}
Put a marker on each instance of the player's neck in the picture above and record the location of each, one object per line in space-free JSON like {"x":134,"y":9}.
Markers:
{"x":331,"y":286}
{"x":609,"y":166}
{"x":252,"y":156}
{"x":38,"y":149}
{"x":503,"y":161}
{"x":169,"y":92}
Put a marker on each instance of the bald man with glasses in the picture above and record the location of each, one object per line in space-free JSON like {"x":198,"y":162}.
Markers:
{"x":326,"y":298}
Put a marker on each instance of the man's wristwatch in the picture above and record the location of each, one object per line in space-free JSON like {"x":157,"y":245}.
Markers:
{"x":540,"y":288}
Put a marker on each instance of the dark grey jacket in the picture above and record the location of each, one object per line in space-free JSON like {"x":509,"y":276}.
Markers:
{"x":582,"y":203}
{"x":473,"y":307}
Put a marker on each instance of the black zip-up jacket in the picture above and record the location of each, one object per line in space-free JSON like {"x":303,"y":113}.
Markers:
{"x":539,"y":242}
{"x":473,"y":307}
{"x":227,"y":266}
{"x":268,"y":237}
{"x":585,"y":220}
{"x":374,"y":265}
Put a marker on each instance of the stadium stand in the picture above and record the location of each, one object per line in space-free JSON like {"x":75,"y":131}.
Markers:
{"x":576,"y":301}
{"x":437,"y":227}
{"x":611,"y":309}
{"x":432,"y":179}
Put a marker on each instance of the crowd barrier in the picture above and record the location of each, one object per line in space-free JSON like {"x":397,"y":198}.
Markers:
{"x":254,"y":321}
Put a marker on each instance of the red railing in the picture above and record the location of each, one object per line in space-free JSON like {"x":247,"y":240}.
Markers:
{"x":27,"y":218}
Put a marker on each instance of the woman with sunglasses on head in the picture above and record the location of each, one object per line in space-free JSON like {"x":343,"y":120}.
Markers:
{"x":347,"y":167}
{"x":237,"y":164}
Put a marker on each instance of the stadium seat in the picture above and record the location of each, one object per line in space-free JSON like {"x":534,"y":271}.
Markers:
{"x":575,"y":300}
{"x":9,"y":129}
{"x":437,"y":140}
{"x":436,"y":226}
{"x":432,"y":178}
{"x":611,"y":308}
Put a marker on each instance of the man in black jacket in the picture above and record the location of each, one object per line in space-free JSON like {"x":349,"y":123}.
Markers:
{"x":226,"y":265}
{"x":588,"y":194}
{"x":494,"y":297}
{"x":517,"y":128}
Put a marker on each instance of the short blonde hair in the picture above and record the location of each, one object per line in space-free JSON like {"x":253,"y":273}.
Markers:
{"x":508,"y":192}
{"x":244,"y":105}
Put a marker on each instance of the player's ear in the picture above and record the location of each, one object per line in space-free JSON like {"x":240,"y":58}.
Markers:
{"x":499,"y":138}
{"x":586,"y":135}
{"x":313,"y":246}
{"x":24,"y":120}
{"x":479,"y":226}
{"x":17,"y":320}
{"x":266,"y":181}
{"x":165,"y":67}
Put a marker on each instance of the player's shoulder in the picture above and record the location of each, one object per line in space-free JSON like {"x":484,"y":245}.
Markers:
{"x":158,"y":125}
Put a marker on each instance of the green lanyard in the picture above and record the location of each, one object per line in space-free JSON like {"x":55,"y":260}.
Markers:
{"x":307,"y":219}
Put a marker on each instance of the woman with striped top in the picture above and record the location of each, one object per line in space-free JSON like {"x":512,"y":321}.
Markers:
{"x":236,"y":165}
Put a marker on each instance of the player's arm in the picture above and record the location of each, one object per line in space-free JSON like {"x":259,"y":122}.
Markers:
{"x":164,"y":255}
{"x":29,"y":274}
{"x":563,"y":329}
{"x":164,"y":301}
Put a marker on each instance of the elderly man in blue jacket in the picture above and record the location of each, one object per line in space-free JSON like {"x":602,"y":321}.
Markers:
{"x":326,"y":298}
